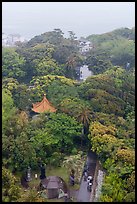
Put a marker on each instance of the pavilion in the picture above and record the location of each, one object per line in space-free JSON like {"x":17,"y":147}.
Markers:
{"x":43,"y":106}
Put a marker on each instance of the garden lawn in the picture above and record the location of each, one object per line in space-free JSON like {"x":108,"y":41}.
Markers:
{"x":58,"y":171}
{"x":50,"y":171}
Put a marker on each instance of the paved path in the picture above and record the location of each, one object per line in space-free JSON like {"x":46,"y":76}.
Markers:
{"x":83,"y":194}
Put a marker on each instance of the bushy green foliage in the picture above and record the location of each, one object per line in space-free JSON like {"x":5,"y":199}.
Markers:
{"x":8,"y":109}
{"x":12,"y":64}
{"x":117,"y":47}
{"x":31,"y":196}
{"x":102,"y":107}
{"x":113,"y":189}
{"x":39,"y":61}
{"x":75,"y":162}
{"x":116,"y":154}
{"x":57,"y":88}
{"x":50,"y":53}
{"x":57,"y":134}
{"x":10,"y":189}
{"x":109,"y":92}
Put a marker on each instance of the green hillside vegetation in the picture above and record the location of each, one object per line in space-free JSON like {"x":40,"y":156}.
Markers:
{"x":98,"y":113}
{"x":116,"y":48}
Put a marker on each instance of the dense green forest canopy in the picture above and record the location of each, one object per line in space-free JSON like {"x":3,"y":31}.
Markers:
{"x":98,"y":113}
{"x":114,"y":48}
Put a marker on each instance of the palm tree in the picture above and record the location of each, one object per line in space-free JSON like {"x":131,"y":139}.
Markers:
{"x":84,"y":116}
{"x":70,"y":66}
{"x":72,"y":63}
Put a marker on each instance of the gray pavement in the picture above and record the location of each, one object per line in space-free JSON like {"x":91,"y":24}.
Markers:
{"x":83,"y":194}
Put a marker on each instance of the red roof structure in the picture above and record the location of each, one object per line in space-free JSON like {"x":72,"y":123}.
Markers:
{"x":43,"y":106}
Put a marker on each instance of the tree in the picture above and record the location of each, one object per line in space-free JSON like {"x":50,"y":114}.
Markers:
{"x":98,"y":63}
{"x":10,"y":188}
{"x":80,"y":110}
{"x":12,"y":64}
{"x":18,"y":153}
{"x":130,"y":197}
{"x":9,"y":84}
{"x":113,"y":189}
{"x":57,"y":134}
{"x":60,"y":91}
{"x":84,"y":116}
{"x":73,"y":105}
{"x":96,"y":128}
{"x":17,"y":123}
{"x":32,"y":196}
{"x":72,"y":63}
{"x":126,"y":155}
{"x":103,"y":145}
{"x":24,"y":154}
{"x":46,"y":66}
{"x":56,"y":87}
{"x":21,"y":96}
{"x":53,"y":37}
{"x":76,"y":163}
{"x":119,"y":44}
{"x":39,"y":60}
{"x":72,"y":35}
{"x":8,"y":109}
{"x":107,"y":93}
{"x":131,"y":182}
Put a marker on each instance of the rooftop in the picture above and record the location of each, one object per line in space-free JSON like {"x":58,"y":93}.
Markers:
{"x":43,"y":106}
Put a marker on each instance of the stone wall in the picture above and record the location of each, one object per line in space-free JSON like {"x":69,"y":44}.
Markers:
{"x":94,"y":182}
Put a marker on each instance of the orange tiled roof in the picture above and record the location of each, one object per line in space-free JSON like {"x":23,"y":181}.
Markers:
{"x":43,"y":106}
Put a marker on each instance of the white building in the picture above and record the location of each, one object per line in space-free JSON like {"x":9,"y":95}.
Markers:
{"x":84,"y":45}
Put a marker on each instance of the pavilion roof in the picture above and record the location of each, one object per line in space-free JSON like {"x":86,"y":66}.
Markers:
{"x":43,"y":106}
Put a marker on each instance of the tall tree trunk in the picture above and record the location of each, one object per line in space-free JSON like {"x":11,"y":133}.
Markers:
{"x":82,"y":136}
